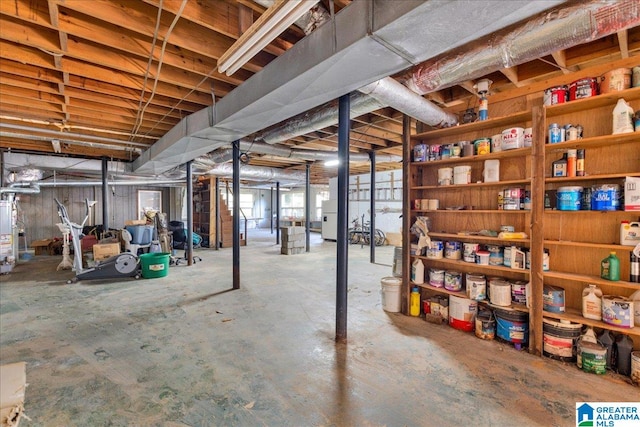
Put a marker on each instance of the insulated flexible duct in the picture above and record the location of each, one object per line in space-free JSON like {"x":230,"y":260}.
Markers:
{"x":540,"y":36}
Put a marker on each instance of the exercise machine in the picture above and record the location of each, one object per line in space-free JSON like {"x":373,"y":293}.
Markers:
{"x":121,"y":265}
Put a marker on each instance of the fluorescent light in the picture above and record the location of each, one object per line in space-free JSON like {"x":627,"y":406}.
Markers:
{"x":280,"y":16}
{"x":56,"y":146}
{"x":330,"y":163}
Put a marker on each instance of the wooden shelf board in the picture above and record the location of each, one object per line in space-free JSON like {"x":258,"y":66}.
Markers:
{"x":594,"y":142}
{"x":591,"y":177}
{"x":473,"y":185}
{"x":581,"y":105}
{"x":608,"y":246}
{"x":517,"y":307}
{"x":441,"y":290}
{"x":512,"y":119}
{"x":472,"y":211}
{"x":518,"y":152}
{"x":468,"y":265}
{"x":576,"y":317}
{"x":594,"y":280}
{"x":474,"y":238}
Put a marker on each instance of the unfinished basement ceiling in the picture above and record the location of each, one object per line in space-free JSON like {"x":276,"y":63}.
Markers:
{"x":74,"y":71}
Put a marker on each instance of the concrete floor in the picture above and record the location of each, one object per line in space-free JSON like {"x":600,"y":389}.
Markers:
{"x":185,"y":350}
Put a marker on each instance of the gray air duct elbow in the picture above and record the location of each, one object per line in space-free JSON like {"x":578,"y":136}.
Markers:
{"x":390,"y":92}
{"x":258,"y":173}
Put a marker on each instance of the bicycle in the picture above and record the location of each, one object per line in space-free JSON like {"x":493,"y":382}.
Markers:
{"x":361,"y":234}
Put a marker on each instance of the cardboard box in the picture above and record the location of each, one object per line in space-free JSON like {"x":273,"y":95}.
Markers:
{"x":105,"y":250}
{"x":42,"y":247}
{"x":13,"y":381}
{"x":135,"y":222}
{"x":632,"y":194}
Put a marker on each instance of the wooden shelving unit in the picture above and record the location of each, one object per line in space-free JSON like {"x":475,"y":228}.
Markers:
{"x":575,"y":240}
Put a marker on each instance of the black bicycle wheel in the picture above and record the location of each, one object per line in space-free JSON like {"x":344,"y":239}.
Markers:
{"x":380,"y":238}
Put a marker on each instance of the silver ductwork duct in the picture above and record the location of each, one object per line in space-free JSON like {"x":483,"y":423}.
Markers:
{"x":259,"y":173}
{"x":18,"y":161}
{"x":311,"y":155}
{"x":390,"y":92}
{"x":540,"y":36}
{"x":21,"y":188}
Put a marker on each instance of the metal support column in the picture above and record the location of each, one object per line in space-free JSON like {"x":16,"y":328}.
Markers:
{"x":372,"y":207}
{"x":277,"y":213}
{"x":343,"y":215}
{"x":105,"y":194}
{"x":236,"y":214}
{"x":189,"y":253}
{"x":217,"y":213}
{"x":307,"y":206}
{"x":271,"y":209}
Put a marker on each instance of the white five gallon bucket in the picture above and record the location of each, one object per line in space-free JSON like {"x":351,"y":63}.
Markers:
{"x":390,"y":294}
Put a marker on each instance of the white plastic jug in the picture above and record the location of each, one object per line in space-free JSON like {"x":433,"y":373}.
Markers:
{"x":417,"y":272}
{"x":635,"y":297}
{"x":592,"y":302}
{"x":622,"y":117}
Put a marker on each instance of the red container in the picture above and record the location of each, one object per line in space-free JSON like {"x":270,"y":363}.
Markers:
{"x":556,"y":95}
{"x":583,"y":88}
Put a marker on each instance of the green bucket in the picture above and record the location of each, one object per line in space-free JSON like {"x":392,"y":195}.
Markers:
{"x":154,"y":264}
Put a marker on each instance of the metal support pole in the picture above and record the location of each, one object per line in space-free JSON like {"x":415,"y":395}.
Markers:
{"x":372,"y":208}
{"x":271,"y":208}
{"x":343,"y":215}
{"x":277,"y":213}
{"x":236,"y":214}
{"x":217,"y":213}
{"x":105,"y":194}
{"x":189,"y":253}
{"x":307,"y":206}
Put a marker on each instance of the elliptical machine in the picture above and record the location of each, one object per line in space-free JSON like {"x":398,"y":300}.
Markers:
{"x":121,"y":265}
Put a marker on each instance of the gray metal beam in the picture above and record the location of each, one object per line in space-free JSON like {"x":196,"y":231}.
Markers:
{"x":372,"y":207}
{"x":189,"y":253}
{"x":105,"y":194}
{"x":343,"y":215}
{"x":236,"y":215}
{"x":307,"y":206}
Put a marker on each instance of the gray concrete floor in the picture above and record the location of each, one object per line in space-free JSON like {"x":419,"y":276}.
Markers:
{"x":185,"y":350}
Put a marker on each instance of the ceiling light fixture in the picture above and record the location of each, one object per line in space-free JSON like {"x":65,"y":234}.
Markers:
{"x":56,"y":146}
{"x":277,"y":18}
{"x":330,"y":163}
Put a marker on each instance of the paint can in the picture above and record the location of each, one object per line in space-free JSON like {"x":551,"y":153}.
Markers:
{"x":605,"y":197}
{"x":500,"y":293}
{"x":482,"y":257}
{"x":476,"y":286}
{"x":569,"y":198}
{"x":436,"y":278}
{"x":496,"y":256}
{"x":420,"y":153}
{"x":555,"y":95}
{"x":453,"y":280}
{"x":462,"y":313}
{"x":434,"y":152}
{"x":512,"y":138}
{"x":496,"y":143}
{"x":485,"y":325}
{"x":528,"y":137}
{"x":390,"y":294}
{"x":511,"y":198}
{"x":560,"y":339}
{"x":445,"y":176}
{"x":433,"y":204}
{"x":594,"y":358}
{"x":482,"y":146}
{"x":452,"y":250}
{"x":506,"y":256}
{"x":617,"y":311}
{"x":512,"y":326}
{"x":635,"y":367}
{"x":519,"y":292}
{"x":469,"y":252}
{"x":583,"y":88}
{"x":461,"y":175}
{"x":616,"y":80}
{"x":435,"y":249}
{"x":553,"y":299}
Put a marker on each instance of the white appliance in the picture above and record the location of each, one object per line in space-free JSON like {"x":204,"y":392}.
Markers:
{"x":330,"y":219}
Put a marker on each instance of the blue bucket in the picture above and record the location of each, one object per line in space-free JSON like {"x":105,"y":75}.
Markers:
{"x":569,"y":198}
{"x":553,"y":299}
{"x":605,"y":197}
{"x":512,"y":326}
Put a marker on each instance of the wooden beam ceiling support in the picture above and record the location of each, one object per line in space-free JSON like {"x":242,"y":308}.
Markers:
{"x":623,"y":41}
{"x":512,"y":74}
{"x":560,"y":57}
{"x":468,"y":86}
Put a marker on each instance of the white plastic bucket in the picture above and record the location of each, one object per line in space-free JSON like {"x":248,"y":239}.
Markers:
{"x":390,"y":294}
{"x":461,"y":175}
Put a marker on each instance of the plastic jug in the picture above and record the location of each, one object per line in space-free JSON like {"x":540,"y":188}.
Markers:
{"x":635,"y":297}
{"x":624,"y":347}
{"x":629,"y":233}
{"x":622,"y":117}
{"x":417,"y":272}
{"x":610,"y":267}
{"x":606,"y":340}
{"x":587,"y":336}
{"x":414,"y":306}
{"x":592,"y":302}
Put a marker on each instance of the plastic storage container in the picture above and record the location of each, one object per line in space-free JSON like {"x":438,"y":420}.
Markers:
{"x":592,"y":302}
{"x":414,"y":306}
{"x":610,"y":267}
{"x":154,"y":264}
